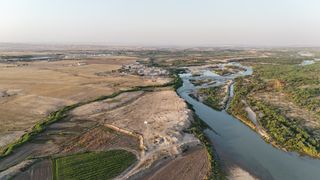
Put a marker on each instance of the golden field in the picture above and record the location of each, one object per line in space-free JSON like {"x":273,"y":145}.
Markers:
{"x":29,"y":91}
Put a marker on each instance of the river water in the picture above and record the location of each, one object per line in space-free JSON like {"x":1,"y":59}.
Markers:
{"x":239,"y":146}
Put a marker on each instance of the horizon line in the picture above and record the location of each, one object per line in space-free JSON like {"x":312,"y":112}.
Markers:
{"x":149,"y":45}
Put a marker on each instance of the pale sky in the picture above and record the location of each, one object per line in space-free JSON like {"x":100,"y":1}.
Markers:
{"x":162,"y":22}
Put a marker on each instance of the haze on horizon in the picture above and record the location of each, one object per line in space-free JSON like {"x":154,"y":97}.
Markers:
{"x":165,"y":22}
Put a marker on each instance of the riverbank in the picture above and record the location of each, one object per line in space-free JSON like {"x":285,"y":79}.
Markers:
{"x":215,"y":97}
{"x":254,"y":126}
{"x":259,"y":130}
{"x":197,"y":128}
{"x":62,"y":113}
{"x":238,"y":110}
{"x":282,"y":133}
{"x":120,"y":110}
{"x":238,"y":146}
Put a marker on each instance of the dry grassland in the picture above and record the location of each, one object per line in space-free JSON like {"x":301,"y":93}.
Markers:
{"x":29,"y":91}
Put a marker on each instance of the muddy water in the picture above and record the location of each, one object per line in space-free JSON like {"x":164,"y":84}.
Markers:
{"x":238,"y":145}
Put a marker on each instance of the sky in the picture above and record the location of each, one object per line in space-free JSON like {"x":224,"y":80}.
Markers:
{"x":162,"y":22}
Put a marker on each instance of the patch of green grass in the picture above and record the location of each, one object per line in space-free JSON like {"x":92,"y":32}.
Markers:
{"x":222,"y":72}
{"x":93,"y":165}
{"x":214,"y":97}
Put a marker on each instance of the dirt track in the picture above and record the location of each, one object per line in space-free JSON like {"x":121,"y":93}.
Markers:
{"x":159,"y":117}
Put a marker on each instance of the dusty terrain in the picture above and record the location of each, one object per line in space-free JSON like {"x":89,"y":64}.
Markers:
{"x":183,"y":167}
{"x":41,"y":170}
{"x":149,"y":124}
{"x":158,"y":117}
{"x":73,"y":134}
{"x":29,"y":91}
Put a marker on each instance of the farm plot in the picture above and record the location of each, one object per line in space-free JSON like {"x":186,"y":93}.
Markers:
{"x":93,"y":165}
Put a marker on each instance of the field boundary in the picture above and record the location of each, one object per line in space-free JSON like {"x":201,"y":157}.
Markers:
{"x":63,"y":113}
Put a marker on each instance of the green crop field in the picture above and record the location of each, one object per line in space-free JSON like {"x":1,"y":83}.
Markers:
{"x":93,"y":165}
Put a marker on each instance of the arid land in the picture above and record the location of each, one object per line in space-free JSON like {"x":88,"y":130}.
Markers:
{"x":29,"y":91}
{"x":150,"y":123}
{"x":123,"y":99}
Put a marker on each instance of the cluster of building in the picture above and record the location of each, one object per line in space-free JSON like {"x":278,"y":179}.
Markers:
{"x":142,"y":70}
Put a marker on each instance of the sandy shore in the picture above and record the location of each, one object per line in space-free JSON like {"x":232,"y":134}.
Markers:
{"x":237,"y":173}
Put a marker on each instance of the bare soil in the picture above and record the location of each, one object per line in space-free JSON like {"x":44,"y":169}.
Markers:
{"x":39,"y":171}
{"x":160,"y":117}
{"x":65,"y":132}
{"x":192,"y":165}
{"x":29,"y":91}
{"x":101,"y":139}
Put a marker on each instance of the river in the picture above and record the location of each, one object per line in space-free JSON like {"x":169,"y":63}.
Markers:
{"x":239,"y":146}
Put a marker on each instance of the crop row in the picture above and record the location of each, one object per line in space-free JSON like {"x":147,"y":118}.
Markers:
{"x":93,"y":165}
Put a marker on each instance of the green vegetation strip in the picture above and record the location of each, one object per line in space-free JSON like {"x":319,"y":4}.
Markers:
{"x":63,"y":113}
{"x":237,"y":107}
{"x":300,"y":83}
{"x":213,"y":97}
{"x":286,"y":133}
{"x":93,"y":165}
{"x":38,"y":128}
{"x":197,"y":128}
